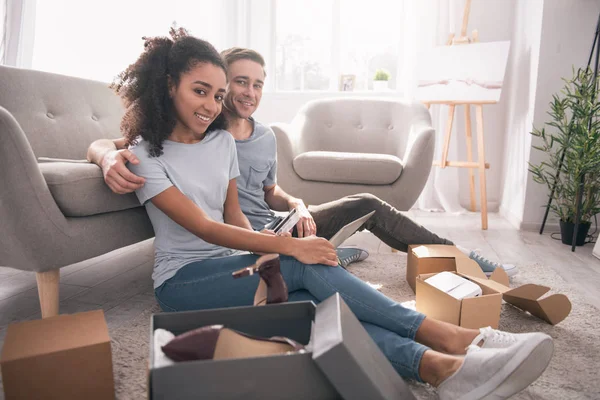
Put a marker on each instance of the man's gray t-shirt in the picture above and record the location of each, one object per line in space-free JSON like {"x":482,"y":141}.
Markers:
{"x":202,"y":172}
{"x":257,"y":157}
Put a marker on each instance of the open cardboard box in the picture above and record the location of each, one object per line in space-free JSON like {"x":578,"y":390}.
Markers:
{"x":473,"y":312}
{"x":428,"y":259}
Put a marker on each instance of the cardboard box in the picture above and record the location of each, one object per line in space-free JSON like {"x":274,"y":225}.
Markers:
{"x":474,"y":312}
{"x":426,"y":259}
{"x":429,"y":259}
{"x":63,"y":357}
{"x":345,"y":363}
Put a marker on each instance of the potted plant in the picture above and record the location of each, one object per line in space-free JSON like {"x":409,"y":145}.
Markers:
{"x":380,"y":81}
{"x":572,"y":147}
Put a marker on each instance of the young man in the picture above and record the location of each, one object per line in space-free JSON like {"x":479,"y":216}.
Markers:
{"x":258,"y":190}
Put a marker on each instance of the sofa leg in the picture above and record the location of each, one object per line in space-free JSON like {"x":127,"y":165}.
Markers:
{"x":47,"y":283}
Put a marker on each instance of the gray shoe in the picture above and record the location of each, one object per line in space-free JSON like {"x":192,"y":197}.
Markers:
{"x":350,"y":254}
{"x":498,"y":373}
{"x":488,"y":266}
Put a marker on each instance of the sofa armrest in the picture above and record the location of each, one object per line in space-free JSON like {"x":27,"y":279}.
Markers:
{"x":28,"y":211}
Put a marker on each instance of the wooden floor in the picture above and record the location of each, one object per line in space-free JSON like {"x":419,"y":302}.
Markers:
{"x":120,"y":282}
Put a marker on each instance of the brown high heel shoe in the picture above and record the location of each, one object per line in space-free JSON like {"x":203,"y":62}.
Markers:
{"x":215,"y":342}
{"x":271,"y":287}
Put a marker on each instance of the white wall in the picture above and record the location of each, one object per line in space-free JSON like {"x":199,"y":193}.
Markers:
{"x":567,"y":32}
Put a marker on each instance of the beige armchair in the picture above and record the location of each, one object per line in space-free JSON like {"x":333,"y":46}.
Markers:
{"x":342,"y":146}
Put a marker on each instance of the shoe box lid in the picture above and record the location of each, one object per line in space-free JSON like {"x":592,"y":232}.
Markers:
{"x":350,"y":359}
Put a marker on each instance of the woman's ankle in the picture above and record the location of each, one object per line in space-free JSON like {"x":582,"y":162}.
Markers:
{"x":436,"y":367}
{"x":444,"y":337}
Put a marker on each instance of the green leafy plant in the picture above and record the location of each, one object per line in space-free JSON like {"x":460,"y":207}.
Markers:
{"x":574,"y":129}
{"x":381,"y":75}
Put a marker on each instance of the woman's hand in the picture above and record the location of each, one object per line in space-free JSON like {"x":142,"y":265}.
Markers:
{"x":315,"y":250}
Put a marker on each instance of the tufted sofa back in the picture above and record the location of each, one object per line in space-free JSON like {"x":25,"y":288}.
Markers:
{"x":354,"y":125}
{"x":60,"y":115}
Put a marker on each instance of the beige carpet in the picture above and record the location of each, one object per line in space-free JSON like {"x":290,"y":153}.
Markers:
{"x":574,"y":372}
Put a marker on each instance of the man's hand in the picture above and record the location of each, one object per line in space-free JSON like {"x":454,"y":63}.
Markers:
{"x":116,"y":175}
{"x":306,"y":224}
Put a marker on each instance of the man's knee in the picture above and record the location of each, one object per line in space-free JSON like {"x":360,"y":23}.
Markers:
{"x":369,"y":201}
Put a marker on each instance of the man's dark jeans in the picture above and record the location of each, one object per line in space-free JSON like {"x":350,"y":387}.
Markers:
{"x":393,"y":227}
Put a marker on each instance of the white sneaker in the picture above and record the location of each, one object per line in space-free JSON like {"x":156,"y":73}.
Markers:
{"x":498,"y":373}
{"x":495,"y":339}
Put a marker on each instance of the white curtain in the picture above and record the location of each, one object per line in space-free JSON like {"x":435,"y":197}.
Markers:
{"x":17,"y":22}
{"x":428,"y":23}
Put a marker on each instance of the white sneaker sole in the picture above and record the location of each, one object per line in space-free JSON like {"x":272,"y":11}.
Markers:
{"x":516,"y":375}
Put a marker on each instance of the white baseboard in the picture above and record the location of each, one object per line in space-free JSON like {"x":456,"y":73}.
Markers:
{"x":517,"y":222}
{"x":535,"y":226}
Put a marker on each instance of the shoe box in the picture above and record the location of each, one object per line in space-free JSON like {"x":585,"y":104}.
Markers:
{"x":62,"y":357}
{"x":344,"y":363}
{"x":425,"y":261}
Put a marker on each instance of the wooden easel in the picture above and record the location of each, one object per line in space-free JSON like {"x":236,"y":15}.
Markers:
{"x":480,"y":164}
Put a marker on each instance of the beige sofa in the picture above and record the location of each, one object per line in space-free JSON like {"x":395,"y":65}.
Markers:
{"x":342,"y":146}
{"x":55,"y":209}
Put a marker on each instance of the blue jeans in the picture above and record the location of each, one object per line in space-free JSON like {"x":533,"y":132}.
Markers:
{"x":209,"y":284}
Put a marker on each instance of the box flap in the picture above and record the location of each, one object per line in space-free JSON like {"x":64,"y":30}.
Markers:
{"x":477,"y":312}
{"x":469,"y":268}
{"x":437,"y":251}
{"x":528,"y":291}
{"x":551,"y":309}
{"x":499,"y":275}
{"x":49,"y":335}
{"x":350,"y":359}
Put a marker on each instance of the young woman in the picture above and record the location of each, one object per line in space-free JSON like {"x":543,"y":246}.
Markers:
{"x":174,"y":94}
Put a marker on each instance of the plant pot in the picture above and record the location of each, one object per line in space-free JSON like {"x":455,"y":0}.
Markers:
{"x":566,"y":232}
{"x":380,"y":86}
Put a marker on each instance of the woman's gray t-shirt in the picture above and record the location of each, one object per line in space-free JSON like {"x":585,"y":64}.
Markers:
{"x":202,"y":172}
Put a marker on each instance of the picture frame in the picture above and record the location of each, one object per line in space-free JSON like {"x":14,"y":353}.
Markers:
{"x":347,"y":82}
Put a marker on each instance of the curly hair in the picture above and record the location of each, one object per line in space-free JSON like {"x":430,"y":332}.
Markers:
{"x":144,"y":86}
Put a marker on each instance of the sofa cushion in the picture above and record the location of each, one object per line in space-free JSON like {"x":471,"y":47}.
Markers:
{"x":359,"y":168}
{"x":79,"y":190}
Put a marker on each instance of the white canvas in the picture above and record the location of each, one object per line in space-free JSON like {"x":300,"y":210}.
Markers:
{"x":464,"y":72}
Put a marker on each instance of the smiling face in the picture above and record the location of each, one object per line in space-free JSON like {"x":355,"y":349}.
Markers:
{"x":246,"y":81}
{"x":198,"y":99}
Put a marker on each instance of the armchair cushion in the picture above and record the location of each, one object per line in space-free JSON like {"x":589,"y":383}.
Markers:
{"x":358,"y":168}
{"x":79,"y":189}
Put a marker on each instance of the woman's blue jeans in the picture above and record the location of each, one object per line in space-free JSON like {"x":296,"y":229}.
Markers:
{"x":209,"y":284}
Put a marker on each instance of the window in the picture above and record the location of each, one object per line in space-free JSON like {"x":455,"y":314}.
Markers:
{"x":365,"y":50}
{"x":304,"y":42}
{"x":97,"y":40}
{"x":307,"y":44}
{"x":318,"y":40}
